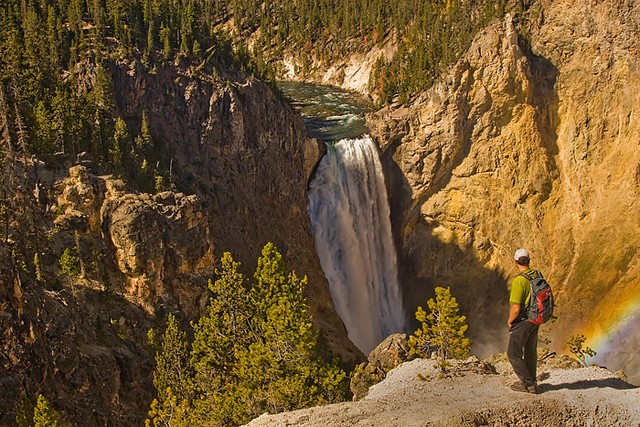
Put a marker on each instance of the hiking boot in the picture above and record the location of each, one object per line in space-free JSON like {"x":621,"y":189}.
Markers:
{"x":518,"y":386}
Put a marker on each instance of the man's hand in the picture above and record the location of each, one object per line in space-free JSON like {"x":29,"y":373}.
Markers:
{"x":514,"y":313}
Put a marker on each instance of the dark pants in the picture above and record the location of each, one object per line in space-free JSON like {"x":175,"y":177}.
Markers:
{"x":523,"y":351}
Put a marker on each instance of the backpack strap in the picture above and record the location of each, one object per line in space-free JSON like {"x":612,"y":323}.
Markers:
{"x":529,"y":278}
{"x":526,"y":276}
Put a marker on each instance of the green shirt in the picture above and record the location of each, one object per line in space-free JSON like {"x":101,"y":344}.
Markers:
{"x":521,"y":289}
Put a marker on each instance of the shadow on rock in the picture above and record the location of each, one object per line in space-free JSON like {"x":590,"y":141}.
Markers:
{"x":583,"y":385}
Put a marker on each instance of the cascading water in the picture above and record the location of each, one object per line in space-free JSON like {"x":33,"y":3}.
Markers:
{"x":350,"y":215}
{"x":352,"y":231}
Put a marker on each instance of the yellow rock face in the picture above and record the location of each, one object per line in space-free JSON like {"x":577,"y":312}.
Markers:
{"x":535,"y":148}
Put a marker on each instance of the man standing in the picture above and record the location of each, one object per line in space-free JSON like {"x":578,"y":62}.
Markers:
{"x":523,"y":335}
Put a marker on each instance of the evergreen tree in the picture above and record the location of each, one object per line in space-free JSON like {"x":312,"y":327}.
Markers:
{"x":44,"y":415}
{"x":172,"y":378}
{"x":24,"y":411}
{"x":46,"y":129}
{"x":280,"y":368}
{"x":165,"y":37}
{"x":151,"y":44}
{"x":70,"y":263}
{"x":442,"y":331}
{"x":217,"y":336}
{"x":145,"y":143}
{"x":255,"y":350}
{"x":159,"y":182}
{"x":119,"y":147}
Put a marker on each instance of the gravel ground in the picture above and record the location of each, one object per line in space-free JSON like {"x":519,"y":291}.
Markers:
{"x":476,"y":394}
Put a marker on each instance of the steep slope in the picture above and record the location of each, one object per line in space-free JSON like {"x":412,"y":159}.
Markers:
{"x":595,"y":223}
{"x":532,"y":145}
{"x":75,"y":330}
{"x":244,"y":152}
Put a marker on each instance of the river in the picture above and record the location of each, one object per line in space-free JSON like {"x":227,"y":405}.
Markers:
{"x":329,"y":114}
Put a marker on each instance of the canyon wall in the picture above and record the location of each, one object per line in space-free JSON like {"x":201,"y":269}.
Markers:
{"x":350,"y":72}
{"x":526,"y":142}
{"x":240,"y":162}
{"x":244,"y":152}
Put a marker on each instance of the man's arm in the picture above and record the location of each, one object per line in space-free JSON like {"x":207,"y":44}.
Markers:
{"x":514,"y":312}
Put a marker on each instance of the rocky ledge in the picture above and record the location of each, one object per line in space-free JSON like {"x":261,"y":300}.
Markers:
{"x":477,"y":393}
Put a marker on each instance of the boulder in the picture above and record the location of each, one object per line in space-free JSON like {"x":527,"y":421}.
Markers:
{"x":387,"y":355}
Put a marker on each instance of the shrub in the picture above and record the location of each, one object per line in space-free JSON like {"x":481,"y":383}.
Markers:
{"x":70,"y":263}
{"x":442,"y":332}
{"x":575,"y":344}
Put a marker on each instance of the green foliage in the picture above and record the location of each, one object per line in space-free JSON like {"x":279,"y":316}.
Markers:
{"x":24,"y":411}
{"x":279,"y":366}
{"x":70,"y":263}
{"x":442,"y":331}
{"x":44,"y":415}
{"x":121,"y":148}
{"x":431,"y":35}
{"x":38,"y":267}
{"x":575,"y":344}
{"x":159,"y":184}
{"x":54,"y":73}
{"x":428,"y":43}
{"x":153,"y":341}
{"x":172,"y":377}
{"x":55,"y":56}
{"x":169,"y":412}
{"x":254,"y":351}
{"x":173,"y":369}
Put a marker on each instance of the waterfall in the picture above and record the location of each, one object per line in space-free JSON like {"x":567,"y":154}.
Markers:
{"x":352,"y":231}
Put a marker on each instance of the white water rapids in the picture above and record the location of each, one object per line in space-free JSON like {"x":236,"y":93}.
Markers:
{"x":352,"y":231}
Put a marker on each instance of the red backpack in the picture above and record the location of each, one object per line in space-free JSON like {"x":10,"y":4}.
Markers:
{"x":540,"y":308}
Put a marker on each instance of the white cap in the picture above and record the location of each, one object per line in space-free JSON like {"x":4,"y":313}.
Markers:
{"x":521,"y":253}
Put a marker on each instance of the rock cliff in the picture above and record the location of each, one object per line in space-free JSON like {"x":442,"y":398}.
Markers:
{"x":76,"y":330}
{"x":526,"y":142}
{"x":243,"y":151}
{"x":351,"y":72}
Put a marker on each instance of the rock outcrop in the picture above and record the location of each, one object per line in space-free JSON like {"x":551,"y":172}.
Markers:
{"x":390,"y":353}
{"x":526,"y":145}
{"x":74,"y":326}
{"x":475,"y":393}
{"x":351,"y":72}
{"x":474,"y":163}
{"x":243,"y":151}
{"x":161,"y":245}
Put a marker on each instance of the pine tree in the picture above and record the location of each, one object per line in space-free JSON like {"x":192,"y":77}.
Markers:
{"x":217,"y":336}
{"x":165,"y":36}
{"x":442,"y":331}
{"x":119,"y":147}
{"x":255,"y":350}
{"x":151,"y":45}
{"x":46,"y":130}
{"x":70,"y":263}
{"x":24,"y":411}
{"x":144,"y":142}
{"x":172,"y":378}
{"x":280,"y":369}
{"x":44,"y":415}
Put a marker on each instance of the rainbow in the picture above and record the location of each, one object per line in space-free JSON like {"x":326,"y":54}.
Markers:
{"x":615,"y":338}
{"x":619,"y":320}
